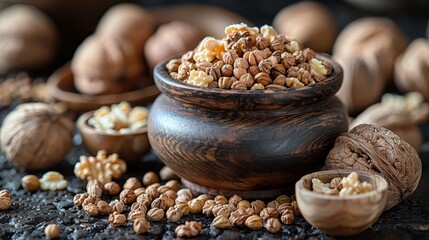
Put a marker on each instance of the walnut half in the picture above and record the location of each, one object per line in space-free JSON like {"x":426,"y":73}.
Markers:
{"x":376,"y":149}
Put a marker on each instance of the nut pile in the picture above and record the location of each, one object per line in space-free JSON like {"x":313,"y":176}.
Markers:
{"x":101,"y":167}
{"x":150,"y":201}
{"x":119,"y":118}
{"x":345,"y":186}
{"x":249,"y":58}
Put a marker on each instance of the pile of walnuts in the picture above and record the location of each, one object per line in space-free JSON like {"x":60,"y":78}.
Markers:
{"x":249,"y":59}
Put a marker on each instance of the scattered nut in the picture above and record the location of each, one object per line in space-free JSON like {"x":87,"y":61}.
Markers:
{"x":53,"y":181}
{"x":112,"y":188}
{"x":195,"y":206}
{"x":91,"y":209}
{"x":173,"y":214}
{"x":155,"y":214}
{"x":220,"y":200}
{"x":79,"y":198}
{"x":132,"y":183}
{"x":243,"y":204}
{"x":93,"y":188}
{"x":257,"y":206}
{"x":221,"y":222}
{"x":101,"y":167}
{"x":273,"y":225}
{"x":52,"y":231}
{"x":234,"y":200}
{"x":136,"y":214}
{"x":5,"y":200}
{"x":127,"y":196}
{"x":189,"y":229}
{"x":117,"y":206}
{"x":254,"y":222}
{"x":268,"y":212}
{"x":139,"y":206}
{"x":173,"y":185}
{"x":287,"y":217}
{"x":283,"y":199}
{"x":117,"y":219}
{"x":167,"y":174}
{"x":141,"y":225}
{"x":150,"y":178}
{"x":273,"y":204}
{"x":30,"y":182}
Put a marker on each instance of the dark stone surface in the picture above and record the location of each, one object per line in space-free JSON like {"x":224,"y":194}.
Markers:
{"x":32,"y":211}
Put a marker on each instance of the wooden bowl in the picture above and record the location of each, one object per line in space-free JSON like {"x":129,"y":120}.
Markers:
{"x":341,"y":216}
{"x":62,"y":89}
{"x":129,"y":146}
{"x":253,"y":143}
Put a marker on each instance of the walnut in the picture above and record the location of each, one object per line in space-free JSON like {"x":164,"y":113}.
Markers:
{"x":273,"y":204}
{"x":195,"y":205}
{"x":208,"y":207}
{"x":171,"y":194}
{"x":220,"y":200}
{"x":155,"y":214}
{"x":396,"y":120}
{"x":5,"y":200}
{"x":243,"y":204}
{"x":136,"y":214}
{"x":238,"y":217}
{"x":104,"y":208}
{"x":186,"y":193}
{"x":117,"y":206}
{"x":52,"y":231}
{"x":412,"y":68}
{"x":102,"y":167}
{"x":221,"y":210}
{"x":91,"y":209}
{"x":221,"y":222}
{"x":173,"y":185}
{"x":183,"y":207}
{"x":171,"y":39}
{"x":117,"y":219}
{"x":152,"y":190}
{"x":288,"y":217}
{"x":189,"y":229}
{"x":139,"y":206}
{"x":257,"y":86}
{"x":159,"y":203}
{"x":173,"y":214}
{"x":263,"y":78}
{"x":141,"y":225}
{"x":36,"y":136}
{"x":93,"y":188}
{"x":53,"y":181}
{"x":127,"y":196}
{"x":234,"y":200}
{"x":79,"y":198}
{"x":284,"y":206}
{"x":239,"y":85}
{"x":376,"y":149}
{"x":273,"y":225}
{"x":226,"y":82}
{"x":283,"y":199}
{"x":254,"y":222}
{"x":112,"y":188}
{"x":29,"y":38}
{"x":132,"y":183}
{"x":268,"y":212}
{"x":257,"y":206}
{"x":30,"y":182}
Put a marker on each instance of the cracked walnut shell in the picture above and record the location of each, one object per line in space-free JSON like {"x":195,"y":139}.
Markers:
{"x":36,"y":136}
{"x":5,"y":199}
{"x":378,"y":150}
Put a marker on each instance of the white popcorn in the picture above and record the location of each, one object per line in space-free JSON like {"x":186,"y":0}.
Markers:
{"x":268,"y":31}
{"x":241,"y":28}
{"x":199,"y":78}
{"x":209,"y":49}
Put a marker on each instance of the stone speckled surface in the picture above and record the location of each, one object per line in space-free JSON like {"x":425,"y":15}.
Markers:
{"x":31,"y":212}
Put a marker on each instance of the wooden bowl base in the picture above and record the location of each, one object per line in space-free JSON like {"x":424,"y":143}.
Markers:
{"x":255,"y":194}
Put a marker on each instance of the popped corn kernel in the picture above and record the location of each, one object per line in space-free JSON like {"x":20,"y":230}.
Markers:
{"x":199,"y":78}
{"x":209,"y":49}
{"x":268,"y":31}
{"x":241,"y":28}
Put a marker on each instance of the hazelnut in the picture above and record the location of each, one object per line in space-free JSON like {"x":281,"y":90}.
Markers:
{"x":30,"y":182}
{"x":273,"y":225}
{"x":167,"y":174}
{"x":221,"y":222}
{"x":150,"y":178}
{"x":52,"y":231}
{"x":162,"y":189}
{"x":155,"y":214}
{"x":171,"y":194}
{"x":139,"y":191}
{"x":132,"y":183}
{"x":117,"y":219}
{"x":112,"y":188}
{"x":141,"y":225}
{"x":283,"y":199}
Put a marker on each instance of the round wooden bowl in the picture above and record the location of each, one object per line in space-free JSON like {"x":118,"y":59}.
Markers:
{"x":253,"y":143}
{"x":62,"y":89}
{"x":341,"y":216}
{"x":129,"y":146}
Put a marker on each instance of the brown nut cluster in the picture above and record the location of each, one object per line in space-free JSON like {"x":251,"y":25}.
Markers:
{"x":249,"y":59}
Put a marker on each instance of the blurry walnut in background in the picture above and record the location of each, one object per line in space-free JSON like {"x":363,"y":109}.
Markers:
{"x":393,"y":119}
{"x":127,"y":21}
{"x":169,"y":40}
{"x":368,"y":46}
{"x":310,"y":22}
{"x":412,"y":68}
{"x":28,"y":38}
{"x":103,"y":65}
{"x":378,"y":150}
{"x":36,"y":136}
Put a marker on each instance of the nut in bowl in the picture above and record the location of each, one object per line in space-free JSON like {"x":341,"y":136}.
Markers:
{"x":343,"y":214}
{"x":120,"y":130}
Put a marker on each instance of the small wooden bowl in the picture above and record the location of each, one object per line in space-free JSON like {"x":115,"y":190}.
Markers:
{"x":341,"y":216}
{"x":129,"y":146}
{"x":62,"y":89}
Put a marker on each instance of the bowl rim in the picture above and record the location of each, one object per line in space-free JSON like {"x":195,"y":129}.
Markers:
{"x":226,"y":99}
{"x":380,"y":188}
{"x":83,"y":126}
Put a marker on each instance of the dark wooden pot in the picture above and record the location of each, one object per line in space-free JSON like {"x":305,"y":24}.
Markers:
{"x":253,"y":143}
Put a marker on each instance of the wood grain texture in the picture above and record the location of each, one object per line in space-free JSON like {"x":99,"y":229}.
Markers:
{"x":244,"y":140}
{"x":62,"y":89}
{"x":129,"y":146}
{"x":341,"y":216}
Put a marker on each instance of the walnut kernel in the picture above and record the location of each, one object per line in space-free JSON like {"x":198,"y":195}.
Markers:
{"x":53,"y":181}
